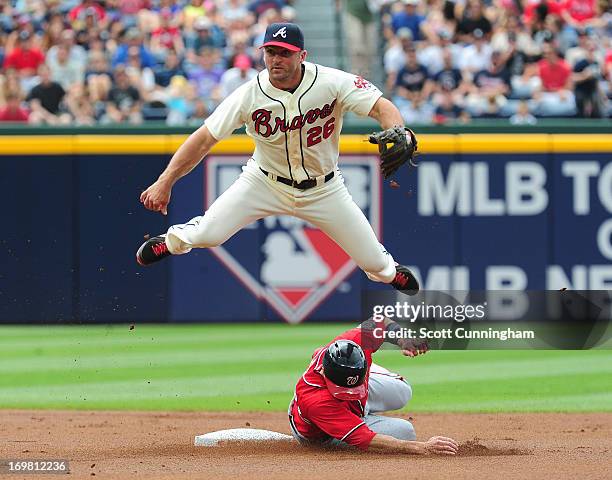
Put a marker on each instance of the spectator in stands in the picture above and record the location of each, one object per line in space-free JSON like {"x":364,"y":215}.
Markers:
{"x":411,"y":86}
{"x":88,"y":9}
{"x":574,"y":54}
{"x":409,"y":18}
{"x":546,"y":32}
{"x":6,"y":14}
{"x":576,"y":15}
{"x":13,"y":111}
{"x":448,"y":110}
{"x":11,"y":84}
{"x":45,"y":100}
{"x":206,"y":34}
{"x":124,"y":102}
{"x":241,"y":73}
{"x":130,"y":10}
{"x":581,"y":13}
{"x":238,"y":44}
{"x":588,"y":72}
{"x":472,"y":18}
{"x":436,"y":21}
{"x":555,"y":97}
{"x":179,"y":99}
{"x":206,"y":76}
{"x":233,"y":10}
{"x":141,"y":77}
{"x":491,"y":87}
{"x":258,"y":7}
{"x":418,"y":112}
{"x":199,"y":113}
{"x":257,"y":31}
{"x":171,"y":68}
{"x":477,"y":55}
{"x":65,"y":70}
{"x":511,"y":34}
{"x":53,"y":30}
{"x":79,"y":105}
{"x":361,"y":32}
{"x":448,"y":80}
{"x":194,"y":9}
{"x":395,"y":56}
{"x":24,"y":58}
{"x":133,"y":39}
{"x":176,"y":7}
{"x":536,"y":11}
{"x":432,"y":55}
{"x":166,"y":37}
{"x":515,"y":44}
{"x":98,"y":78}
{"x":522,"y":115}
{"x":114,"y":37}
{"x":76,"y":53}
{"x":157,"y":40}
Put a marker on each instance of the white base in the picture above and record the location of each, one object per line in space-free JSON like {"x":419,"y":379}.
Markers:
{"x":212,"y":439}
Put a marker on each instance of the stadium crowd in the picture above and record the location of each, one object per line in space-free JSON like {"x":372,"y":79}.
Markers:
{"x":452,"y":60}
{"x":89,"y":62}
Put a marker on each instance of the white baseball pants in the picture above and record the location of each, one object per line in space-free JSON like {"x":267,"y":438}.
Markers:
{"x":253,"y":195}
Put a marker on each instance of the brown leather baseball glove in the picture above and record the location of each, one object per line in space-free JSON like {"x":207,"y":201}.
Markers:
{"x":397,"y":145}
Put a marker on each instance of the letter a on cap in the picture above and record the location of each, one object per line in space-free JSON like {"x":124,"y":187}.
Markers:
{"x":282,"y":32}
{"x":286,"y":35}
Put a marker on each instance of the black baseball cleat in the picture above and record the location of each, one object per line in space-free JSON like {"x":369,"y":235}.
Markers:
{"x":153,"y":250}
{"x":405,"y":281}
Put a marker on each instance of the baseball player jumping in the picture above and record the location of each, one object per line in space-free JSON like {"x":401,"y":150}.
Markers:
{"x":338,"y":398}
{"x":293,"y":110}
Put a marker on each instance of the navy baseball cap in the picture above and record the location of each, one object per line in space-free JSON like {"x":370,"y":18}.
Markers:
{"x":286,"y":35}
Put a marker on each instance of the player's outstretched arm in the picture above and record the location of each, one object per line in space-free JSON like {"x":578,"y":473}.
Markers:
{"x":433,"y":446}
{"x":385,"y":113}
{"x":189,"y":154}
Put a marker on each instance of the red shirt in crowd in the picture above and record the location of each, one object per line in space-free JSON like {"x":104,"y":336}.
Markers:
{"x":581,"y":10}
{"x":78,"y":12}
{"x":554,"y":75}
{"x":166,"y":36}
{"x":8,"y":114}
{"x":554,"y":8}
{"x":24,"y":59}
{"x":317,"y":415}
{"x":132,"y":7}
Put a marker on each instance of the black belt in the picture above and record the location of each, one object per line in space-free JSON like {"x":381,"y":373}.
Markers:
{"x":303,"y":185}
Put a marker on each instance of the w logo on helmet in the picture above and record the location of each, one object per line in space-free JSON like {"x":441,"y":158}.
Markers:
{"x":282,"y":32}
{"x":350,"y":381}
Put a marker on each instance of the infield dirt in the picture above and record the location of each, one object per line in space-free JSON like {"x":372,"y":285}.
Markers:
{"x":150,"y":445}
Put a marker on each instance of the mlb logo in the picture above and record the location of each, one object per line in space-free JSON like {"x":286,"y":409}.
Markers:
{"x":298,"y":265}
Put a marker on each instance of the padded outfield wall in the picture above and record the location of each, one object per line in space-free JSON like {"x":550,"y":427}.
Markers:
{"x":522,"y":211}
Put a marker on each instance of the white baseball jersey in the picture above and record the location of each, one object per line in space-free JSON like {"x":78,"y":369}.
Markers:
{"x":296,"y":134}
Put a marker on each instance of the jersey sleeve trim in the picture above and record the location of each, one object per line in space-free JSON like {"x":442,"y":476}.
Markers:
{"x":352,"y":430}
{"x":211,"y":133}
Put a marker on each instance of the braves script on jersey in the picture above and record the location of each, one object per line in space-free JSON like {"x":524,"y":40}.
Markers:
{"x":296,"y":134}
{"x":315,"y":414}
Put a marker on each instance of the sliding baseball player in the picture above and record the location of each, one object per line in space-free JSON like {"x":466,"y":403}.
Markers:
{"x":339,"y":398}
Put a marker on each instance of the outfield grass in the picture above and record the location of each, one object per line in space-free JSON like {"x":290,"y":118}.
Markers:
{"x":255,"y":367}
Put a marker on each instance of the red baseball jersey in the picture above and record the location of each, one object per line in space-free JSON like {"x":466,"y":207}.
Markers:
{"x":316,"y":415}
